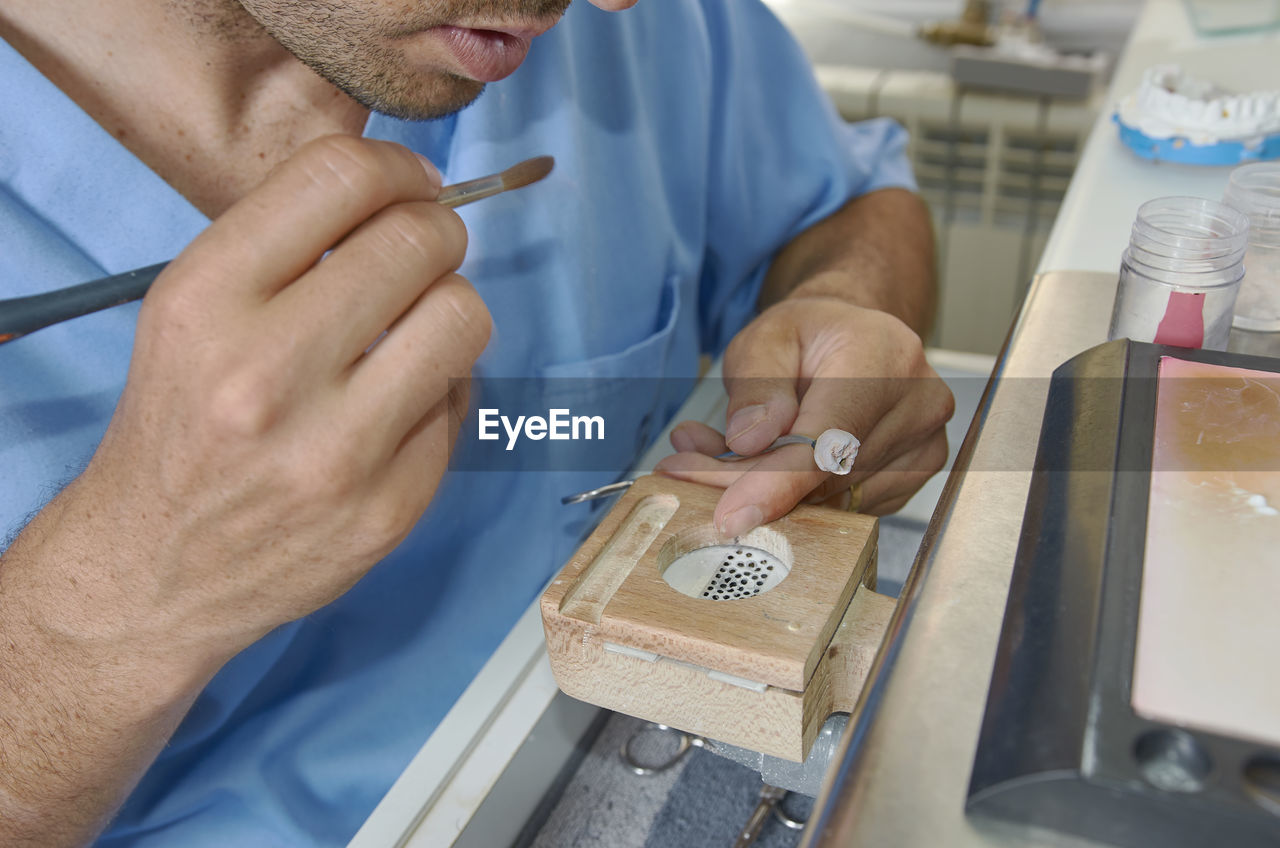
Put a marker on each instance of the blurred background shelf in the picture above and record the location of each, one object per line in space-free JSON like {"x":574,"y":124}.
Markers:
{"x":993,"y":166}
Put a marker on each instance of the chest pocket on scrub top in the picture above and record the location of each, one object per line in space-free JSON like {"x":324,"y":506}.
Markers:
{"x":635,"y":390}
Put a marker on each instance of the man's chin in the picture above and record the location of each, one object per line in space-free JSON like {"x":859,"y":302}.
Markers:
{"x":399,"y":92}
{"x":438,"y":97}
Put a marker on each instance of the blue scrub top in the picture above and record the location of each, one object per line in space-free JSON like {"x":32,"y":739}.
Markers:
{"x":690,"y":143}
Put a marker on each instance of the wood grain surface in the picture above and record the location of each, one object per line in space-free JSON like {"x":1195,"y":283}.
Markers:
{"x":802,"y":649}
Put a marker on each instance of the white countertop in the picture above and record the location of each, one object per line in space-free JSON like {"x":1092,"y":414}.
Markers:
{"x":1110,"y":182}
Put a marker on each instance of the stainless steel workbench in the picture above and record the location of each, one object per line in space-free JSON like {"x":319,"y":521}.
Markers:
{"x":902,"y":780}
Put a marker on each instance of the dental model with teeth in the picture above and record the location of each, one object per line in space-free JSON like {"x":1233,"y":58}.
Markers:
{"x":1170,"y":103}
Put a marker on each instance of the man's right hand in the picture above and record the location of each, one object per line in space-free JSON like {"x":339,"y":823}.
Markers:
{"x":287,"y":416}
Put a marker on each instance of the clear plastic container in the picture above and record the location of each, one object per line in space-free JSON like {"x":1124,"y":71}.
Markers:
{"x":1255,"y":190}
{"x":1221,"y":17}
{"x":1180,"y":274}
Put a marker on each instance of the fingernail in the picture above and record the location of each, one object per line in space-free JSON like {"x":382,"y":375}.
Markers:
{"x":744,"y":419}
{"x":682,"y":441}
{"x":741,"y":520}
{"x":433,"y":173}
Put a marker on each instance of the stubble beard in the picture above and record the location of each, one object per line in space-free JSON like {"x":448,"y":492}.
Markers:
{"x":389,"y":86}
{"x":325,"y":38}
{"x":336,"y":42}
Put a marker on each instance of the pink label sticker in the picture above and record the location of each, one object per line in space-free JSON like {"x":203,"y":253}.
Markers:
{"x":1183,"y":321}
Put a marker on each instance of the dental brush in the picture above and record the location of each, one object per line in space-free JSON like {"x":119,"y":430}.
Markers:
{"x":22,"y":315}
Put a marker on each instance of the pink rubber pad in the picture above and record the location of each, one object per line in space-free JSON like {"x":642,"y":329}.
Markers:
{"x":1211,"y":576}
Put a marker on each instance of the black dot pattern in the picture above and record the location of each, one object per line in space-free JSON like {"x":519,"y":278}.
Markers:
{"x":741,"y":574}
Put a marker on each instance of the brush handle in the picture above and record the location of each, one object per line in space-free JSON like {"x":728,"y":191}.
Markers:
{"x":22,"y":315}
{"x":460,"y":194}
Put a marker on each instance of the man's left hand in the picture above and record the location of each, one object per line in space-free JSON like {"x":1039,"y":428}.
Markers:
{"x":806,"y":365}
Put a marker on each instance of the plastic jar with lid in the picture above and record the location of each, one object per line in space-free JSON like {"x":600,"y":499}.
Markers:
{"x":1255,"y":190}
{"x":1181,"y":272}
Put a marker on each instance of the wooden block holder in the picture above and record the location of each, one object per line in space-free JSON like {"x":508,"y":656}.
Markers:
{"x":761,"y":672}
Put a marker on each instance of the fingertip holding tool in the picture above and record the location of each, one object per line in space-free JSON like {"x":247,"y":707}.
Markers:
{"x":22,"y":315}
{"x":833,"y":451}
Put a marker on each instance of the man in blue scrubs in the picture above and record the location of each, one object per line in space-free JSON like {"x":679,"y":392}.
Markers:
{"x":241,"y":588}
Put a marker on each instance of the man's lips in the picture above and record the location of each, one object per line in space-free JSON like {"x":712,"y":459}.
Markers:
{"x":489,"y":55}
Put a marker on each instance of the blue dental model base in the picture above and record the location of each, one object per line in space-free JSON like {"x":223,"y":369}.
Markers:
{"x":1181,"y":149}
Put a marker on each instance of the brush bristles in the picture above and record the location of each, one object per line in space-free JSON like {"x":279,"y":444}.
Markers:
{"x":527,"y":172}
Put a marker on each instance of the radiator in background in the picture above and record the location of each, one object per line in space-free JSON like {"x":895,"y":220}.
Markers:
{"x":993,"y":169}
